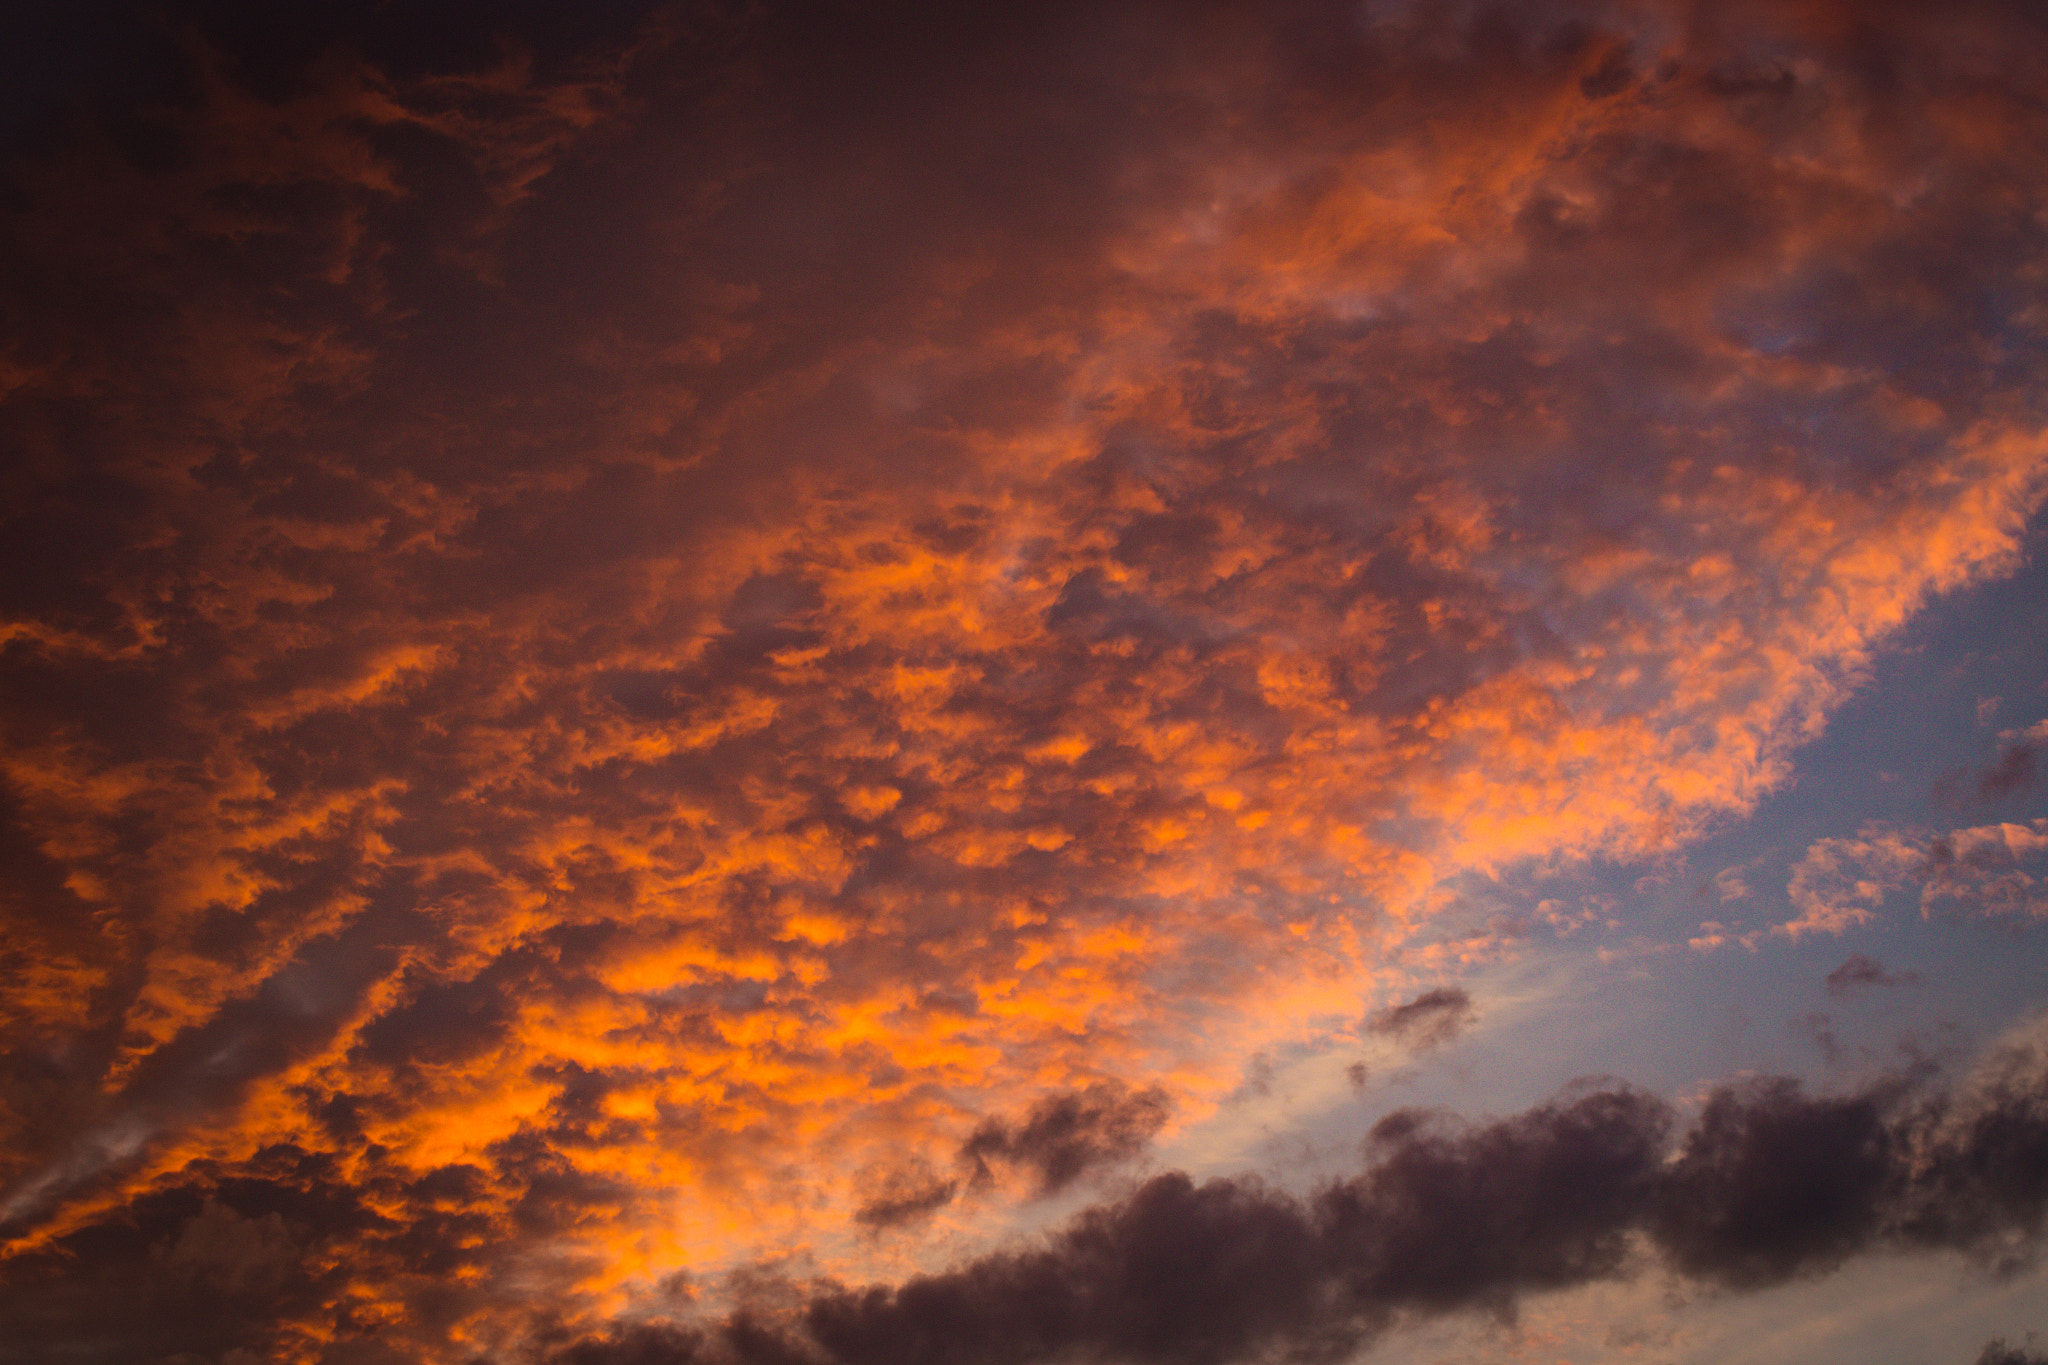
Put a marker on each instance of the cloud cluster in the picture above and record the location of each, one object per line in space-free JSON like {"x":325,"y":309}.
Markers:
{"x":607,"y":627}
{"x":1992,"y":872}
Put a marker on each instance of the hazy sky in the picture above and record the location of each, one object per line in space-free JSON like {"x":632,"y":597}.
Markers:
{"x":1159,"y":684}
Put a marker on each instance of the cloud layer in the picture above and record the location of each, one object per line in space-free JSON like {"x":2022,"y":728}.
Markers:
{"x":618,"y":642}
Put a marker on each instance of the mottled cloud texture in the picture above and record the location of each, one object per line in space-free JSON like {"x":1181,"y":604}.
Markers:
{"x":614,"y":633}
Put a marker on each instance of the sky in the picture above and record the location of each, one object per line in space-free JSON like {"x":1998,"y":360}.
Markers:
{"x":768,"y":683}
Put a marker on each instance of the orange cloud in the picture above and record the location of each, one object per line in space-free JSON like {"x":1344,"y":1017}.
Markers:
{"x":644,"y":647}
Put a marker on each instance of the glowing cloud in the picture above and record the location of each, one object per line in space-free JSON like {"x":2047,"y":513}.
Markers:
{"x":759,"y":628}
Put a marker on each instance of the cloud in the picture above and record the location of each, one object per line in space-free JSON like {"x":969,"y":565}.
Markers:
{"x":239,"y":1254}
{"x":1767,"y":1185}
{"x":638,"y":621}
{"x":1994,"y":871}
{"x":1732,"y":883}
{"x":2012,"y":774}
{"x":1858,"y":972}
{"x":1996,"y":1352}
{"x":1063,"y":1137}
{"x":1429,"y":1020}
{"x":905,"y":1196}
{"x":1840,"y":883}
{"x":1987,"y":871}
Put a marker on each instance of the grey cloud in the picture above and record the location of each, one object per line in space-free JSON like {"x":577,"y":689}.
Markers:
{"x":1859,"y":972}
{"x":2015,"y":772}
{"x":1063,"y":1137}
{"x":1997,"y":1352}
{"x":240,"y":1254}
{"x":904,"y":1196}
{"x":1429,"y":1020}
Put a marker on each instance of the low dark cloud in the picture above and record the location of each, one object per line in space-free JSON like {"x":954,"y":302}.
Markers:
{"x":1769,"y":1184}
{"x":1858,"y":973}
{"x":1429,"y":1020}
{"x":1063,"y":1137}
{"x":1997,"y":1352}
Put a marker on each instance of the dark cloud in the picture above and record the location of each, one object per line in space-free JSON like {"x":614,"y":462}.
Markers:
{"x":1996,"y":1352}
{"x":1858,"y":973}
{"x":639,"y":1344}
{"x":244,"y":1255}
{"x":1429,"y":1020}
{"x":2013,"y":773}
{"x":1820,"y":1028}
{"x":904,"y":1196}
{"x":1769,"y":1184}
{"x":1063,"y":1137}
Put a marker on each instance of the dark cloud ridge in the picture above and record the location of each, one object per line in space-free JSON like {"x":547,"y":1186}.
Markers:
{"x":1767,"y":1185}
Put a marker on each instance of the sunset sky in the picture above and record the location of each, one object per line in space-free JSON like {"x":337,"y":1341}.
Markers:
{"x":757,"y":683}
